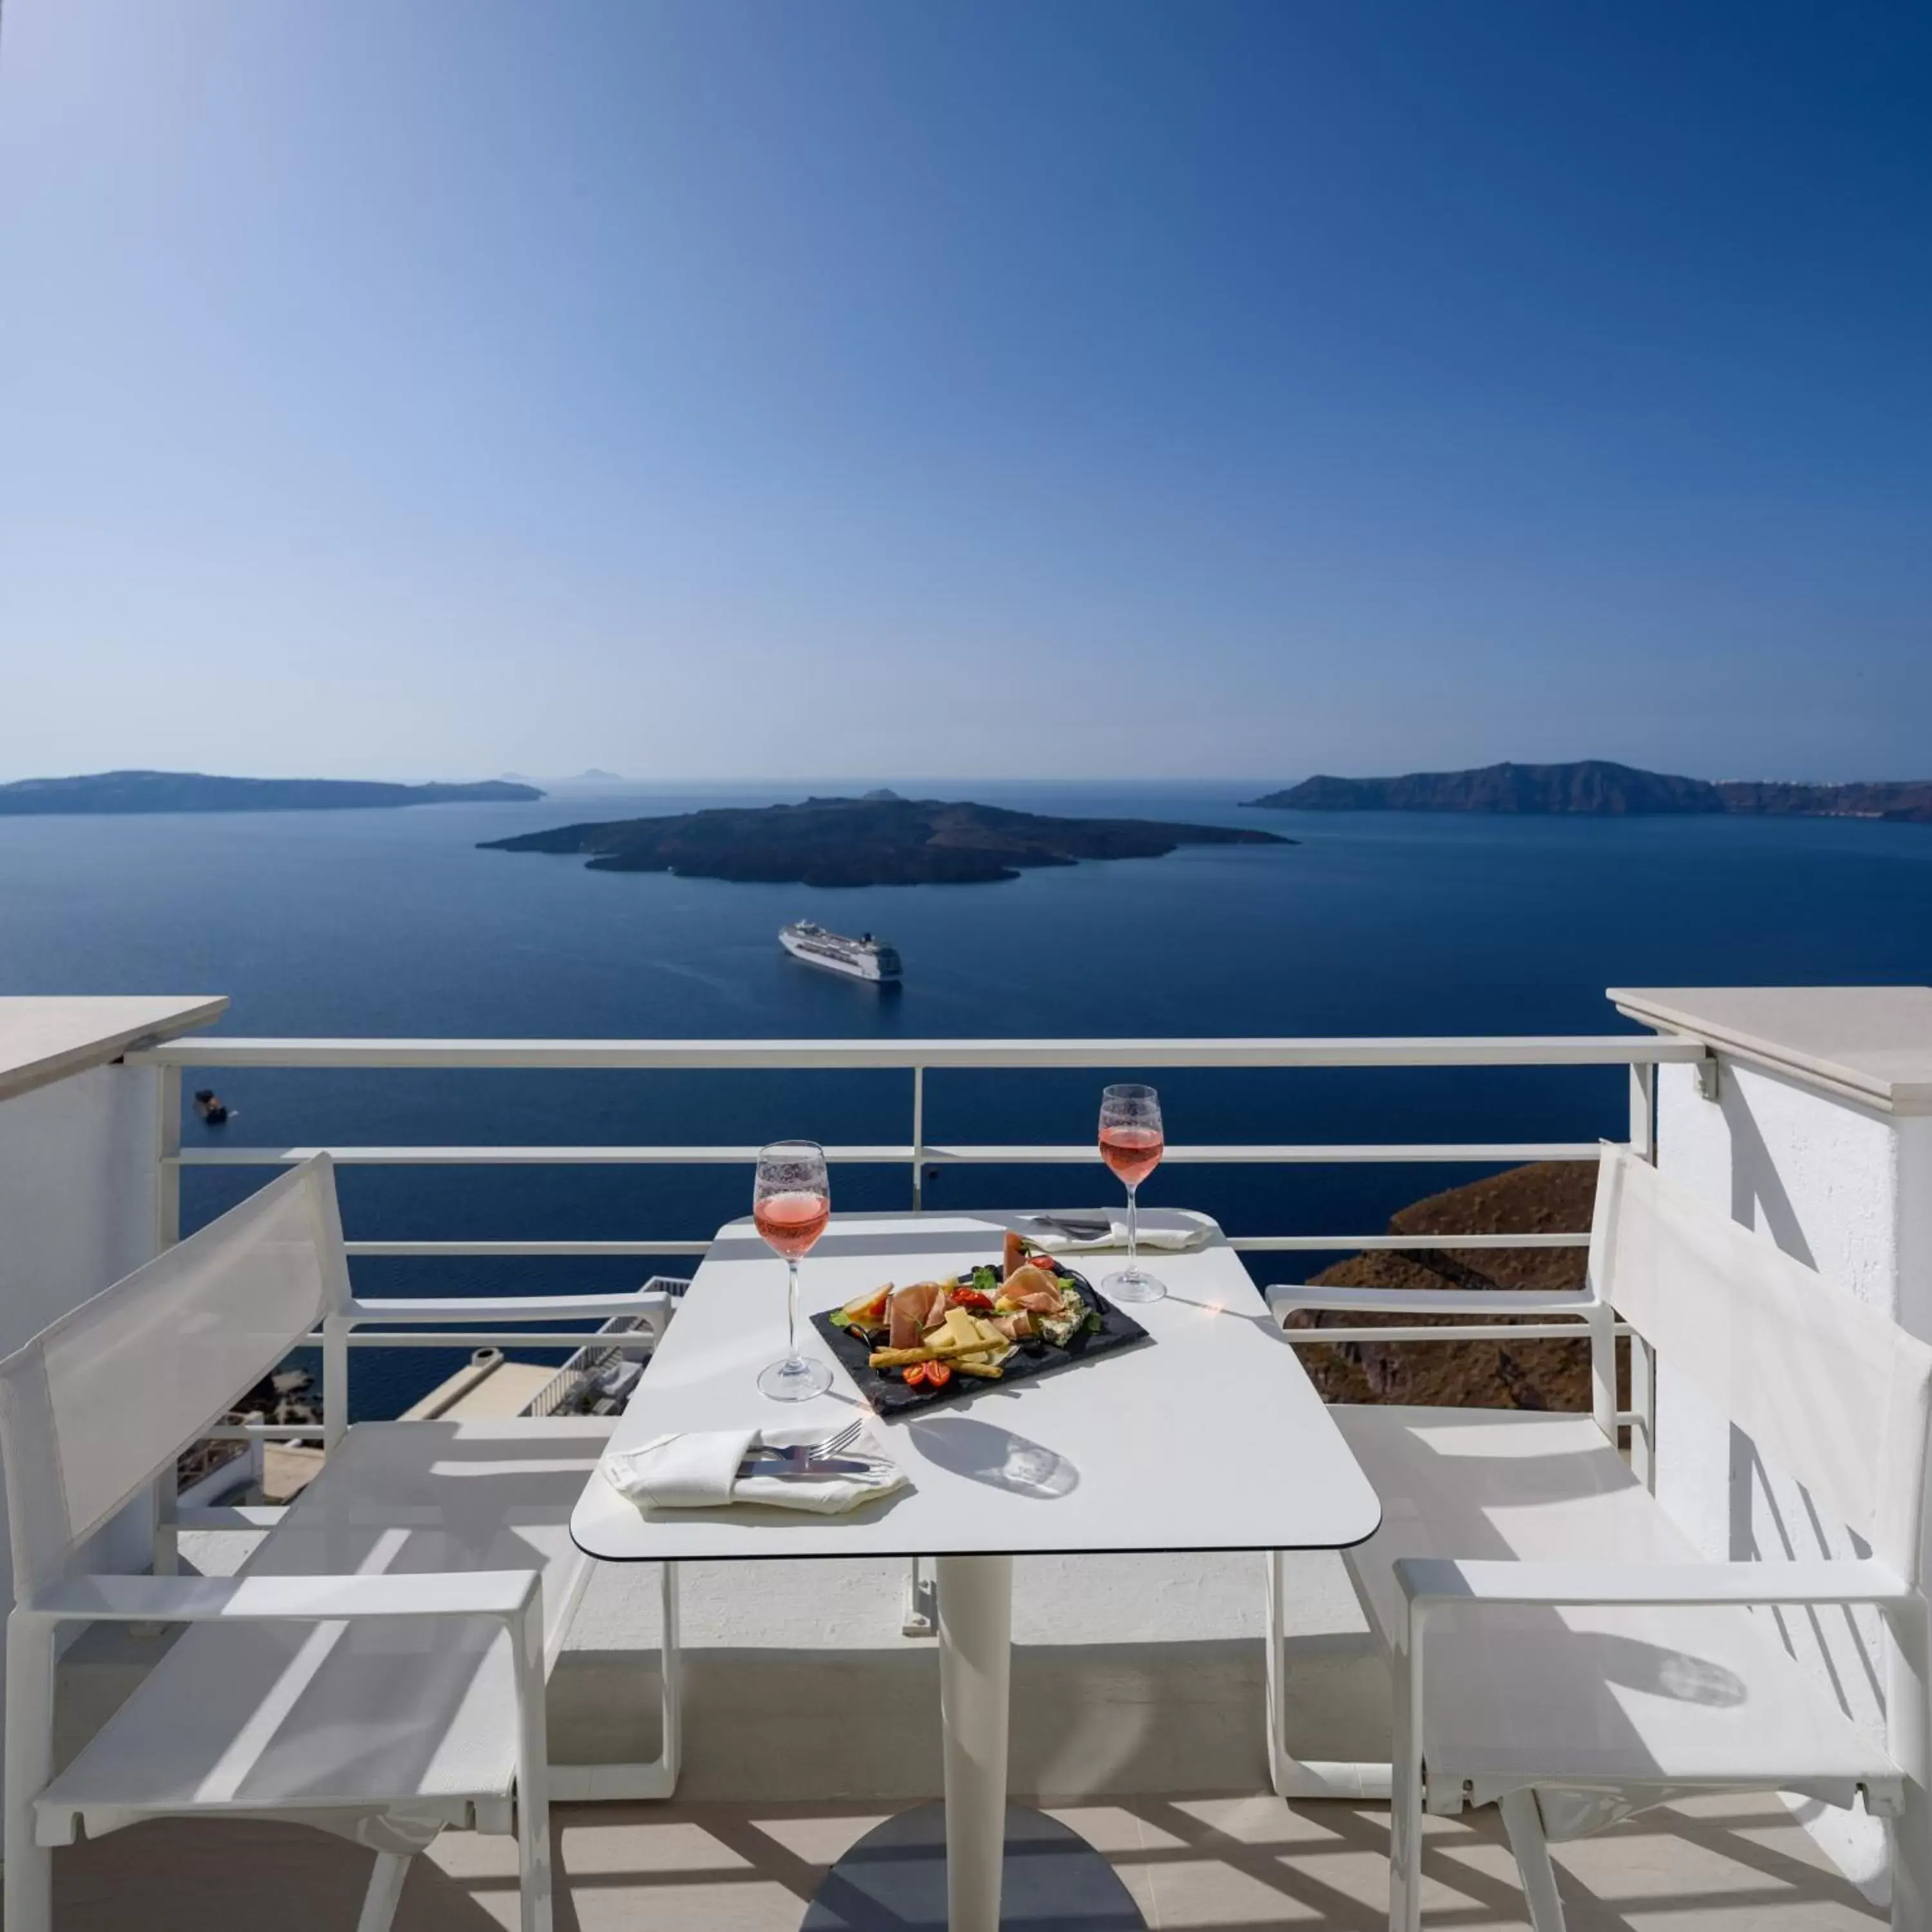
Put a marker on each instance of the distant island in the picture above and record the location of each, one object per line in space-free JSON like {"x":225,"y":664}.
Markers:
{"x":590,"y":775}
{"x":1595,"y":788}
{"x":197,"y":791}
{"x":867,"y":842}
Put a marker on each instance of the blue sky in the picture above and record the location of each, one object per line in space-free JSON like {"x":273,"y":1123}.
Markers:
{"x":1018,"y":386}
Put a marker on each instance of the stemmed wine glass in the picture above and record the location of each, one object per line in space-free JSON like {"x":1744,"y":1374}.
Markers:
{"x":1132,"y":1142}
{"x":791,"y":1201}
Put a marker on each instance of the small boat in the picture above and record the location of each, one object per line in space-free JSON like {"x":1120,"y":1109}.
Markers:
{"x":864,"y":957}
{"x":210,"y":1105}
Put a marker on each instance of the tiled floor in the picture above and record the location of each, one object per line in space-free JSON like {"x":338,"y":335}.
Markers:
{"x":1716,"y":1865}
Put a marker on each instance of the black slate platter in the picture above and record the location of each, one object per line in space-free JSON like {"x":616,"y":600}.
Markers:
{"x":890,"y":1396}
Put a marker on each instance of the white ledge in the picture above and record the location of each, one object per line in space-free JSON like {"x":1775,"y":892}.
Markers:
{"x":43,"y":1040}
{"x":1872,"y":1044}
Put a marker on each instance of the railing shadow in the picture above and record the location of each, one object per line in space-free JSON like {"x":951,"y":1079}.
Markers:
{"x":1213,"y":1861}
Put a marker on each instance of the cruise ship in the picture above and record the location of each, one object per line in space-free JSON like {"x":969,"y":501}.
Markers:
{"x":861,"y":958}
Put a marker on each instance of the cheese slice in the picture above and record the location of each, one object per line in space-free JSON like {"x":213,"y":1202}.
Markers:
{"x":962,"y":1327}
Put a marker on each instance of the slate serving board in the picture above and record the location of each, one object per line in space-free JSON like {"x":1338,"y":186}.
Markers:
{"x":890,"y":1396}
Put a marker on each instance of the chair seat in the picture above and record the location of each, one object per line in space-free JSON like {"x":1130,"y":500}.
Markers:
{"x":1690,"y":1696}
{"x":414,"y":1719}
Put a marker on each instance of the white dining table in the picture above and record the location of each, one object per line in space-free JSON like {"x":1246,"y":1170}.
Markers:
{"x":1209,"y":1436}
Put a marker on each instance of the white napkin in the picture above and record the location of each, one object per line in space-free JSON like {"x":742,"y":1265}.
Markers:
{"x":1156,"y":1241}
{"x":699,"y":1470}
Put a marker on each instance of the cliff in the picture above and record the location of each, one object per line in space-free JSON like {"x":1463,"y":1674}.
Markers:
{"x":195,"y":791}
{"x":1594,"y":787}
{"x":1548,"y":1197}
{"x":868,"y":842}
{"x":1907,"y":801}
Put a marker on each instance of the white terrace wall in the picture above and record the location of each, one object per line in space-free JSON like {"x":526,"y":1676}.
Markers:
{"x":1847,"y":1188}
{"x":80,"y":1142}
{"x":78,"y":1182}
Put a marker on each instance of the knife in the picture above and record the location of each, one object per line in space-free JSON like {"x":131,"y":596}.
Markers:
{"x":781,"y":1465}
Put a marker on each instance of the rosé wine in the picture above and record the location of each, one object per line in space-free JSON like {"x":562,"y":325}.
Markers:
{"x":791,"y":1223}
{"x":1132,"y":1153}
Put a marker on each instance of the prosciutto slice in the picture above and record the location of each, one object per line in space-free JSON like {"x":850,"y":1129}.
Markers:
{"x":1033,"y":1288}
{"x":1041,"y":1300}
{"x":913,"y":1310}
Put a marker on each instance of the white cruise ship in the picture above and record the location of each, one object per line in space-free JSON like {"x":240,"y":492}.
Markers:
{"x":861,"y":958}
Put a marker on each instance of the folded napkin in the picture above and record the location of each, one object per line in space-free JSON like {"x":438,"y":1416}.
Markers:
{"x":699,"y":1470}
{"x":1153,"y":1240}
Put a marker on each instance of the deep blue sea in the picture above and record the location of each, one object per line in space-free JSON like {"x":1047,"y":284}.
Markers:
{"x":392,"y":922}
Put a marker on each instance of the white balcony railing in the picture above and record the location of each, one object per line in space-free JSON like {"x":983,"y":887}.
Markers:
{"x":1640,"y":1054}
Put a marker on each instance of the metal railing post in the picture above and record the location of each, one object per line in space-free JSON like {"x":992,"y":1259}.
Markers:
{"x":1642,"y":1357}
{"x":165,"y":1544}
{"x":167,"y":1171}
{"x":1643,"y":1110}
{"x":918,"y":1138}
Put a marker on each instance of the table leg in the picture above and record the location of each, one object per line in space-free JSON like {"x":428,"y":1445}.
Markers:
{"x":975,"y":1620}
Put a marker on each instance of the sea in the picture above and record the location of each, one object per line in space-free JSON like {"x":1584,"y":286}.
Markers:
{"x":393,"y":922}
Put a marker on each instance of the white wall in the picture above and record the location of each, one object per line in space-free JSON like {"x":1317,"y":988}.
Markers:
{"x":78,"y":1182}
{"x":1849,"y":1191}
{"x":77,"y":1190}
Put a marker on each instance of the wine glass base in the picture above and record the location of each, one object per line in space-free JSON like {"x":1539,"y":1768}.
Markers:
{"x":1133,"y":1285}
{"x":796,"y":1380}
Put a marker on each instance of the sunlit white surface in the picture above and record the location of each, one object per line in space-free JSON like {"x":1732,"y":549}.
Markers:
{"x":1208,"y":1437}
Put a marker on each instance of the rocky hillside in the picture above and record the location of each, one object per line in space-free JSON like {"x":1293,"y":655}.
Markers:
{"x":108,"y":792}
{"x":1907,"y":801}
{"x":1549,"y":1197}
{"x":1593,"y":788}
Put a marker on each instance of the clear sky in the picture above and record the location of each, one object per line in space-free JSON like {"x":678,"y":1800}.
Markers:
{"x":780,"y":388}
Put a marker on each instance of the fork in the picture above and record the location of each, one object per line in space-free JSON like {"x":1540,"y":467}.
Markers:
{"x":835,"y":1444}
{"x":813,"y":1452}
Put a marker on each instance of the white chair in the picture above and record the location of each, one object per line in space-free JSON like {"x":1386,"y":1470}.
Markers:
{"x":1557,"y":1645}
{"x":378,"y":1669}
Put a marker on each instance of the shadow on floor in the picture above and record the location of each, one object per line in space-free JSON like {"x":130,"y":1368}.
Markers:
{"x":1212,"y":1864}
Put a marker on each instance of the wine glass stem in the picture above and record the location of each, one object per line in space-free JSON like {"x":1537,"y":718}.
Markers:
{"x":791,"y":1308}
{"x":1133,"y":1231}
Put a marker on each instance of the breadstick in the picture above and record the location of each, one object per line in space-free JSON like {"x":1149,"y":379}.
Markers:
{"x":933,"y":1352}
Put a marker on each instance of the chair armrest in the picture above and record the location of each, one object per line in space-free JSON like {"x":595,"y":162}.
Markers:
{"x":502,"y":1594}
{"x":1427,"y":1581}
{"x":656,"y":1307}
{"x":1283,"y":1298}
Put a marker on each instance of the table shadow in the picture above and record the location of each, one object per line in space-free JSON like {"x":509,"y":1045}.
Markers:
{"x":982,"y":1452}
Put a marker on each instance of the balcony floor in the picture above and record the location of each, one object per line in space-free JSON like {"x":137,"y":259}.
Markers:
{"x":1715,"y":1865}
{"x":798,"y":1680}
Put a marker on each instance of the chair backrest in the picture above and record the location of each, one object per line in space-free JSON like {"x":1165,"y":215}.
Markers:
{"x":96,"y":1405}
{"x":1834,"y":1393}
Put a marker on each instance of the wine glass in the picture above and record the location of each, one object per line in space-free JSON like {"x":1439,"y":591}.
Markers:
{"x":1132,"y":1142}
{"x":791,"y":1201}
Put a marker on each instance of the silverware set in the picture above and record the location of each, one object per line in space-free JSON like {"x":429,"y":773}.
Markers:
{"x":1075,"y":1229}
{"x":822,"y":1458}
